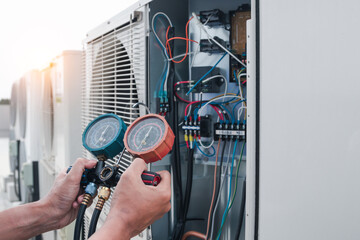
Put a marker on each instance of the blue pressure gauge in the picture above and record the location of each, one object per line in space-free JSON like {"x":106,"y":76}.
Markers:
{"x":104,"y":136}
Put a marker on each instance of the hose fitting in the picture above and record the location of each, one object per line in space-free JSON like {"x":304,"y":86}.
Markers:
{"x":104,"y":194}
{"x":90,"y":192}
{"x":86,"y":200}
{"x":91,"y":189}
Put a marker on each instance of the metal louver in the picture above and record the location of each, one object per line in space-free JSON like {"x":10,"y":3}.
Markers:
{"x":115,"y":77}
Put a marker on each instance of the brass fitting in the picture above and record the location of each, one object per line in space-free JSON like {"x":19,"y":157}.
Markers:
{"x":86,"y":200}
{"x":101,"y":157}
{"x":100,"y":204}
{"x":104,"y":194}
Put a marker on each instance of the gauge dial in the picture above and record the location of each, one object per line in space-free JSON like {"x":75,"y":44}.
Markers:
{"x":104,"y":135}
{"x":149,"y":137}
{"x":146,"y":134}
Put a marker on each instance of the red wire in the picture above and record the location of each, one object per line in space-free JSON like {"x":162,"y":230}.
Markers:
{"x":219,"y":113}
{"x":177,"y":95}
{"x":186,"y":39}
{"x":188,"y":106}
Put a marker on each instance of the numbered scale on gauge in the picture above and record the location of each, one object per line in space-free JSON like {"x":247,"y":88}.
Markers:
{"x":149,"y":137}
{"x":104,"y":136}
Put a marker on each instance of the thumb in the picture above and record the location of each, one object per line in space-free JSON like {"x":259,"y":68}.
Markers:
{"x":137,"y":167}
{"x":75,"y":174}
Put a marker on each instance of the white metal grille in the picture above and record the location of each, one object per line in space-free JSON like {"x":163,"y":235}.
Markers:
{"x":114,"y":79}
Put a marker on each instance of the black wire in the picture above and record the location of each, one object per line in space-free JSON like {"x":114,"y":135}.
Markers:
{"x":79,"y":220}
{"x":93,"y":222}
{"x":189,"y":179}
{"x":242,"y":211}
{"x":180,"y":225}
{"x":226,"y":113}
{"x":218,"y":180}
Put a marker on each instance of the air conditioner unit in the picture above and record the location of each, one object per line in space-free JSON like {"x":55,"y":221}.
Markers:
{"x":66,"y":93}
{"x":61,"y":113}
{"x":28,"y":112}
{"x":14,"y":138}
{"x":13,"y":127}
{"x":116,"y":74}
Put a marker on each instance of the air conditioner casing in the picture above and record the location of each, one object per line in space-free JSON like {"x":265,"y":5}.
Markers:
{"x":116,"y":75}
{"x":66,"y":91}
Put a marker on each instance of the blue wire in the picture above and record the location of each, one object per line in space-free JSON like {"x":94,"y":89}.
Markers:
{"x":207,"y":155}
{"x":228,"y":202}
{"x":163,"y":80}
{"x":199,"y":81}
{"x":161,"y":92}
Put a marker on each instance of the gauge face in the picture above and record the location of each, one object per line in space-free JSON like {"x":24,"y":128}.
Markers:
{"x":145,"y":134}
{"x":102,"y":132}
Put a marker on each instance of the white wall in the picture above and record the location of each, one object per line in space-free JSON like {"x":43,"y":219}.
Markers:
{"x":4,"y":120}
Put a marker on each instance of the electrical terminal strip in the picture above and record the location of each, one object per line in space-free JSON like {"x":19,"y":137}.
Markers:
{"x":230,"y":131}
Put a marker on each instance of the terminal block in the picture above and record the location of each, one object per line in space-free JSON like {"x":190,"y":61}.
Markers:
{"x":229,"y":131}
{"x":213,"y":17}
{"x":209,"y":46}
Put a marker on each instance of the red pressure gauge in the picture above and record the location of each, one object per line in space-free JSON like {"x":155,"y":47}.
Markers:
{"x":149,"y":137}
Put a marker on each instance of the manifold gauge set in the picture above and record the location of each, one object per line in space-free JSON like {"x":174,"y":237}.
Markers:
{"x":149,"y":137}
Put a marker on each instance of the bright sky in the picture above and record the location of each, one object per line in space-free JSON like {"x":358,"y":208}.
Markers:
{"x":32,"y":32}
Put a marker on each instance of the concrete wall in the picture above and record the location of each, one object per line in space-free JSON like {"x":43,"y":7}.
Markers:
{"x":4,"y":120}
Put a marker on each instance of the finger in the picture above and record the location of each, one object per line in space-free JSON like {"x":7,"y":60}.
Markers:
{"x":137,"y":167}
{"x":165,"y":183}
{"x":78,"y":168}
{"x":75,"y":204}
{"x":80,"y":198}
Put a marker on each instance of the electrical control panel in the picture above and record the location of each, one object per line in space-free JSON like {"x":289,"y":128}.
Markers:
{"x":200,"y":87}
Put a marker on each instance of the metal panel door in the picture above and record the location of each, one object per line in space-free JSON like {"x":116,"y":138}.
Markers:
{"x":307,"y":119}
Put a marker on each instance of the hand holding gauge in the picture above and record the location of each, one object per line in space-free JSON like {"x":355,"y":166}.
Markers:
{"x":149,"y":137}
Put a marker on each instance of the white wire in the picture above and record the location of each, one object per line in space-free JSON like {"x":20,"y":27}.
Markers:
{"x":241,"y":75}
{"x":217,"y":76}
{"x":181,"y":55}
{"x":242,"y":107}
{"x":240,"y":111}
{"x":208,"y":146}
{"x":167,"y":77}
{"x":157,"y":37}
{"x":216,"y":42}
{"x":162,"y":45}
{"x":221,"y":186}
{"x":217,"y":98}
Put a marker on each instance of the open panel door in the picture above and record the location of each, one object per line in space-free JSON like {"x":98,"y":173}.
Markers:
{"x":304,"y":126}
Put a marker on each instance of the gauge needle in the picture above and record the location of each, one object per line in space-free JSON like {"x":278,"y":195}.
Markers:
{"x":101,"y":139}
{"x":143,"y":142}
{"x":102,"y":134}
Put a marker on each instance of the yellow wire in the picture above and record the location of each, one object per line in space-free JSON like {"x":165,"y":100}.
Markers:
{"x":228,"y":94}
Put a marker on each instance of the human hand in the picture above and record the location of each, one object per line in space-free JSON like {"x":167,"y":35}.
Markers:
{"x":134,"y":205}
{"x":65,"y":196}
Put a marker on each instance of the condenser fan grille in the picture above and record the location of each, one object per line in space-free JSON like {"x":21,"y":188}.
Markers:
{"x":114,"y":78}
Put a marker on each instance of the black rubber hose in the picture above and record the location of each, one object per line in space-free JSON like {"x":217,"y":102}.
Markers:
{"x":189,"y":180}
{"x":79,"y":220}
{"x":83,"y":233}
{"x":93,"y":222}
{"x":242,"y":211}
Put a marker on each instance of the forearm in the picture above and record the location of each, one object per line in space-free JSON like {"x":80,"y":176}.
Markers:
{"x":26,"y":221}
{"x":112,"y":231}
